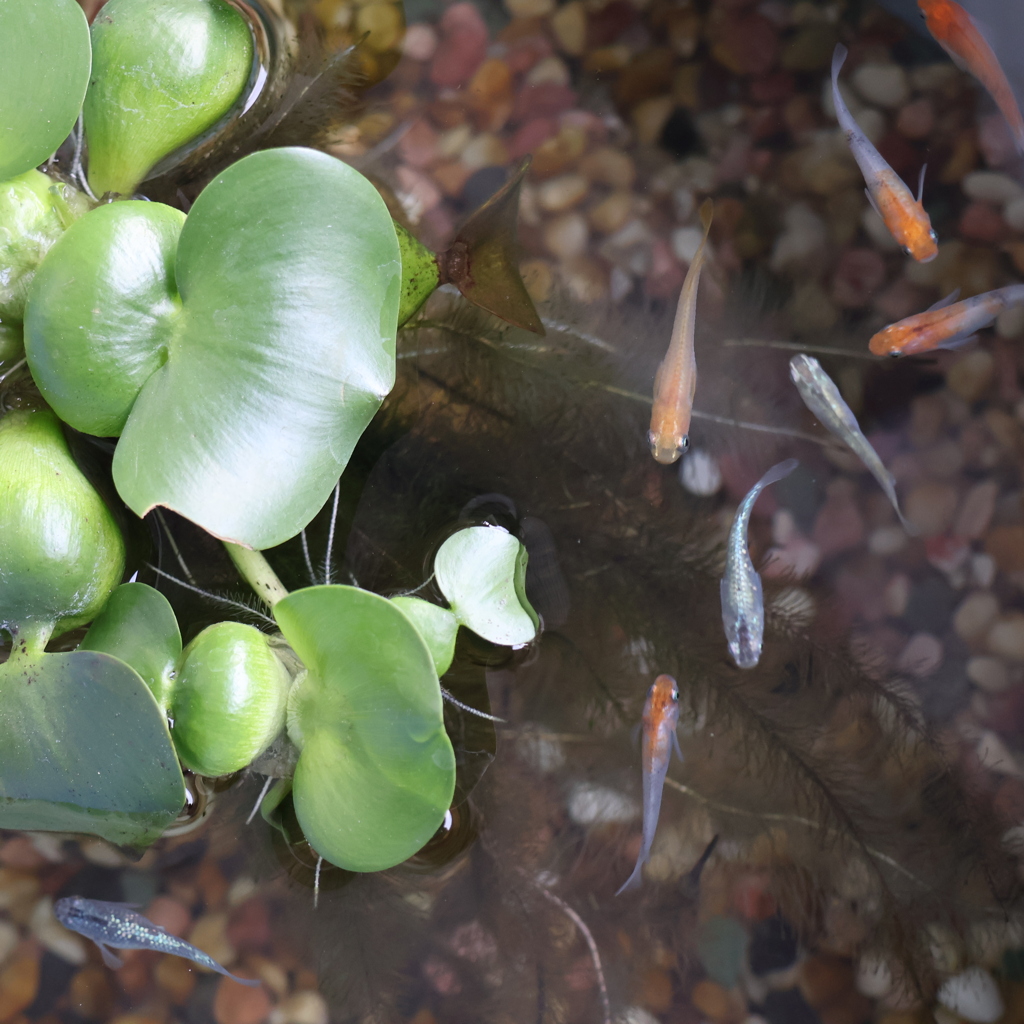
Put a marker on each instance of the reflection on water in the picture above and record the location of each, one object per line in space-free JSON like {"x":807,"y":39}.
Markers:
{"x":864,"y":782}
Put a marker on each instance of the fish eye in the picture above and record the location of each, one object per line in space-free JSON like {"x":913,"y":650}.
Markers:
{"x":675,"y":695}
{"x":684,"y":444}
{"x":906,"y":250}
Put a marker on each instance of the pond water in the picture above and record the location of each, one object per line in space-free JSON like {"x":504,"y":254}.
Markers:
{"x":841,"y":835}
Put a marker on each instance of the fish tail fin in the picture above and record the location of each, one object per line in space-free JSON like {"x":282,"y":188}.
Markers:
{"x":248,"y":982}
{"x":634,"y":881}
{"x":839,"y":55}
{"x":707,"y":212}
{"x":777,"y":472}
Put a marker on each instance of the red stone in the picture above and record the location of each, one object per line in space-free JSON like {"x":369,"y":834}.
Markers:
{"x":530,"y":135}
{"x":171,"y":915}
{"x":607,"y":24}
{"x":747,"y":44}
{"x":248,"y":928}
{"x":418,"y":146}
{"x":860,"y":273}
{"x":464,"y":40}
{"x":751,"y":898}
{"x":982,"y":222}
{"x":775,"y":87}
{"x":665,"y":276}
{"x":524,"y":53}
{"x":544,"y":100}
{"x":902,"y":156}
{"x":839,"y":526}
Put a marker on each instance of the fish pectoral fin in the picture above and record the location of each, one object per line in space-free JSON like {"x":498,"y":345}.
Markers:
{"x":920,"y":183}
{"x":874,"y":205}
{"x":947,"y":301}
{"x":676,"y":747}
{"x":635,"y":733}
{"x":112,"y":961}
{"x":959,"y":340}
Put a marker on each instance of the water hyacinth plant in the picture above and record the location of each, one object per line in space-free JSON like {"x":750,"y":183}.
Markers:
{"x":233,"y":352}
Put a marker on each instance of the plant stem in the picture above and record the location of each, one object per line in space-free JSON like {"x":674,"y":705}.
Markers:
{"x":257,"y":573}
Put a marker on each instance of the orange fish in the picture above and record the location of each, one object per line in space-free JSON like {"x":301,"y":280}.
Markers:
{"x":959,"y":35}
{"x":947,"y":324}
{"x":904,"y":215}
{"x":661,"y":716}
{"x":676,"y":382}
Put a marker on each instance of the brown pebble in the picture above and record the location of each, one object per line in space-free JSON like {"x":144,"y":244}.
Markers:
{"x":747,"y":44}
{"x":175,"y":977}
{"x":648,"y":74}
{"x":982,"y":222}
{"x":710,"y":999}
{"x":916,"y":119}
{"x":490,"y":94}
{"x":976,"y":510}
{"x":1006,"y":546}
{"x":611,"y":213}
{"x":585,"y":278}
{"x":1006,"y":637}
{"x":90,"y":993}
{"x":210,"y":934}
{"x":248,"y":928}
{"x":538,"y":278}
{"x":974,"y":616}
{"x":566,"y":236}
{"x":607,"y":166}
{"x":19,"y":981}
{"x":971,"y":375}
{"x":562,"y":192}
{"x":240,"y":1004}
{"x":930,"y":507}
{"x":927,"y":416}
{"x":569,"y":23}
{"x":655,"y":990}
{"x":464,"y":42}
{"x":824,"y":979}
{"x":555,"y":155}
{"x":650,"y":116}
{"x":860,"y":273}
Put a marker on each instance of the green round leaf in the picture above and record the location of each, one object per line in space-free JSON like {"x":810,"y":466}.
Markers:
{"x":137,"y":625}
{"x":289,"y":276}
{"x":437,"y":626}
{"x":84,"y":748}
{"x":102,"y":311}
{"x":163,"y":72}
{"x":228,"y":699}
{"x":62,"y":553}
{"x":376,"y":771}
{"x":43,"y":78}
{"x":34,"y":211}
{"x":482,"y":572}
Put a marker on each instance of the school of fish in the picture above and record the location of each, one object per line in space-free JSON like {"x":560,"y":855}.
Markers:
{"x":947,"y":324}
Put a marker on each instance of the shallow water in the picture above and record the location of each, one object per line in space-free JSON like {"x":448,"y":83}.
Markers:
{"x":863,"y":782}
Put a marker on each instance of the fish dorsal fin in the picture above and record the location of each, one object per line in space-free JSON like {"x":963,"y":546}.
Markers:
{"x":944,"y":302}
{"x":920,"y":183}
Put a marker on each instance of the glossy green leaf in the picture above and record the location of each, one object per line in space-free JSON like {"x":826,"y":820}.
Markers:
{"x":163,"y":72}
{"x":43,"y":78}
{"x":376,"y":771}
{"x":228,"y":700}
{"x":283,"y":348}
{"x":420,"y":275}
{"x":437,"y":626}
{"x":102,"y":313}
{"x":34,"y":213}
{"x":482,"y":572}
{"x":138,"y":626}
{"x":62,"y":553}
{"x":84,"y":747}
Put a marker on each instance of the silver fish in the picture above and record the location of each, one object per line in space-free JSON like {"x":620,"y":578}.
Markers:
{"x":822,"y":397}
{"x":117,"y":925}
{"x":742,"y":599}
{"x":661,"y":716}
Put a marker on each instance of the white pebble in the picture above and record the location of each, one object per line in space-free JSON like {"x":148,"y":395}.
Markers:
{"x":887,"y":540}
{"x":988,"y":674}
{"x":593,"y":804}
{"x":305,"y":1007}
{"x":557,"y":194}
{"x":699,"y":473}
{"x":543,"y":753}
{"x":991,"y":187}
{"x":684,"y":202}
{"x":994,"y":755}
{"x":1010,"y":323}
{"x":884,"y":84}
{"x":872,"y":123}
{"x":804,"y":234}
{"x":784,"y":528}
{"x":9,"y":939}
{"x":1006,"y":638}
{"x":420,"y":42}
{"x":550,"y":69}
{"x":983,"y":570}
{"x":99,"y":851}
{"x":620,"y":284}
{"x":636,"y":1015}
{"x":922,"y":655}
{"x":975,"y":614}
{"x":686,"y":242}
{"x":566,"y":236}
{"x":874,"y":976}
{"x":897,"y":595}
{"x":1013,"y":213}
{"x":972,"y":995}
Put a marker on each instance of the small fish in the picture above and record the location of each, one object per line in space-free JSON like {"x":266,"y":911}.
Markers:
{"x":742,"y":599}
{"x":661,"y":715}
{"x":676,"y":382}
{"x":822,"y":397}
{"x":960,"y":36}
{"x":947,"y":324}
{"x":118,"y":925}
{"x":904,"y":215}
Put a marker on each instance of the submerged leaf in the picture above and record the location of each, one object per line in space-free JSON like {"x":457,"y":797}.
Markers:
{"x":482,"y":572}
{"x":84,"y":747}
{"x":376,"y":770}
